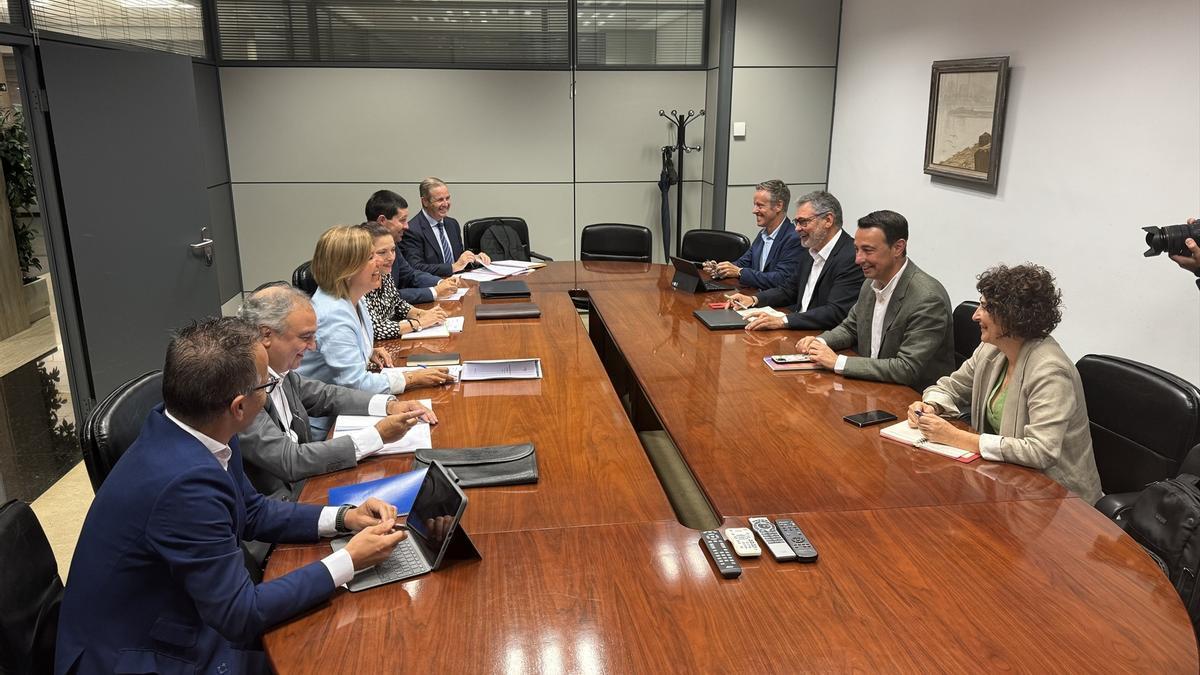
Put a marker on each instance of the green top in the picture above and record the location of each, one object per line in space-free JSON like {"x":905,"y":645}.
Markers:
{"x":994,"y":410}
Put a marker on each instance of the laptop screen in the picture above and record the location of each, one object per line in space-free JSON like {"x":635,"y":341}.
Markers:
{"x":435,"y":513}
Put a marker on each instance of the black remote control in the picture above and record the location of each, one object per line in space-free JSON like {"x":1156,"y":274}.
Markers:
{"x":721,"y":555}
{"x":794,"y":536}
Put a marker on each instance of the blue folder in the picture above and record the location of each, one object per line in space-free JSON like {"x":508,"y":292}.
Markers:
{"x":399,"y":490}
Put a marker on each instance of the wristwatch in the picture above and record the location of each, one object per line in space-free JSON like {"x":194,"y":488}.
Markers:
{"x":339,"y":523}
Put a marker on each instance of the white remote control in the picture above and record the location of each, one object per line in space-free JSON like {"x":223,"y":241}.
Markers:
{"x":771,"y":537}
{"x":742,"y":540}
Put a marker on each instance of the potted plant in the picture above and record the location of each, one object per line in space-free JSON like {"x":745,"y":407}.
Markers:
{"x":21,"y":190}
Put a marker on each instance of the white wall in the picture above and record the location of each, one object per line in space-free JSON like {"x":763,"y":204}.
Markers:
{"x":1102,"y":137}
{"x":307,"y":146}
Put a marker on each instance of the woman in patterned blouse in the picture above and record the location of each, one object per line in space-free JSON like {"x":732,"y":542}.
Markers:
{"x":392,"y":315}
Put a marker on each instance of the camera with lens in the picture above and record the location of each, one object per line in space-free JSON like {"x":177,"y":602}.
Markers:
{"x":1170,"y":239}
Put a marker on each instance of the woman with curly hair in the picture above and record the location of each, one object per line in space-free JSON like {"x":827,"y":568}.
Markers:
{"x":1024,"y":394}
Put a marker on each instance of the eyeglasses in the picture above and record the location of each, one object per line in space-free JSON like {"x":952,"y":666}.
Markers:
{"x":802,"y":221}
{"x":269,"y":385}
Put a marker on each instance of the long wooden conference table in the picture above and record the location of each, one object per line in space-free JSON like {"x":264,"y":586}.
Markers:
{"x":926,"y":564}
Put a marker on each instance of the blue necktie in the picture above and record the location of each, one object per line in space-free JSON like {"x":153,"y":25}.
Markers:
{"x":447,"y":254}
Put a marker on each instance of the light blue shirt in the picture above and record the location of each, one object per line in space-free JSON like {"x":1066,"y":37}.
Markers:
{"x":768,"y":240}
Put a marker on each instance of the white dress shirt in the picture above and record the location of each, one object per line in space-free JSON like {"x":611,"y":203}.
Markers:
{"x":339,"y":563}
{"x":768,"y":241}
{"x":883,"y":297}
{"x":367,"y":440}
{"x":819,"y":258}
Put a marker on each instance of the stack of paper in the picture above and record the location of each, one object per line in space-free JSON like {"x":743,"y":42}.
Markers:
{"x":520,"y":264}
{"x":417,"y":437}
{"x":453,"y":324}
{"x":456,"y":295}
{"x":455,"y":371}
{"x":502,"y":369}
{"x":482,"y":274}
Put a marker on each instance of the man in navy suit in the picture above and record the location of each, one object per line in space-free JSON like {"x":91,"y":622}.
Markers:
{"x":827,"y":281}
{"x":158,"y":583}
{"x":434,"y":241}
{"x":773,"y":256}
{"x":391,"y":210}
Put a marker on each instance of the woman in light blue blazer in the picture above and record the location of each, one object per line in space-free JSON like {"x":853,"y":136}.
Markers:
{"x":346,"y":267}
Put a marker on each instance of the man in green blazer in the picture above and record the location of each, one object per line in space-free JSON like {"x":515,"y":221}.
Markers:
{"x":901,"y":325}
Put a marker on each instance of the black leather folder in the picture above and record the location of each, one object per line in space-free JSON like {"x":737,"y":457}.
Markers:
{"x":504,"y":288}
{"x":507,"y":310}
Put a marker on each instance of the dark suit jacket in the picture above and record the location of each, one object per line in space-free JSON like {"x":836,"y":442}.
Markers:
{"x":917,"y":345}
{"x":413,"y":284}
{"x":781,"y":261}
{"x":421,"y":248}
{"x":158,"y":582}
{"x":836,"y":290}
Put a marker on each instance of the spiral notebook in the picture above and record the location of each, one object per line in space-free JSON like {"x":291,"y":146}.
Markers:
{"x":902,"y":433}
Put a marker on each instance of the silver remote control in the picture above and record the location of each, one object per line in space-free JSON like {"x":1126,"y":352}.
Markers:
{"x":771,"y":537}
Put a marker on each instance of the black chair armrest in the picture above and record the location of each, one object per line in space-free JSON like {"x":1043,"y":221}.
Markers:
{"x":1115,"y":505}
{"x":539,"y":256}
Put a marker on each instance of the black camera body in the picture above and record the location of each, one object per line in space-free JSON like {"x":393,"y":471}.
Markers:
{"x":1170,"y":239}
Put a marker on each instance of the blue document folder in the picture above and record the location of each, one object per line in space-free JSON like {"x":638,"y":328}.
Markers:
{"x":399,"y":490}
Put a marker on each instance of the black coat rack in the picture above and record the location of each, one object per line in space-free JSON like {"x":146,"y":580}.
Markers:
{"x":680,"y":122}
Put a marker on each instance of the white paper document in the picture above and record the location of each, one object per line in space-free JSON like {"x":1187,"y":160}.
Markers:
{"x":481,"y":275}
{"x":455,"y":371}
{"x":453,"y":324}
{"x":456,"y":295}
{"x":417,"y":437}
{"x":520,"y":264}
{"x":502,"y":369}
{"x":769,"y":311}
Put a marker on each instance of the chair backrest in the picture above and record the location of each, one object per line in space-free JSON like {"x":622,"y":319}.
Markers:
{"x":616,"y":241}
{"x":114,"y":425}
{"x":30,"y":595}
{"x":475,"y":230}
{"x":701,"y":245}
{"x":303,"y":279}
{"x":1143,"y":420}
{"x":966,"y":331}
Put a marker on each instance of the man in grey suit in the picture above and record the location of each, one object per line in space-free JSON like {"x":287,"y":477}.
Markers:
{"x":276,"y":447}
{"x":901,"y":325}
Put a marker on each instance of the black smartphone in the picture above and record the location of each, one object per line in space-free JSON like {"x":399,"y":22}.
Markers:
{"x":870,"y":417}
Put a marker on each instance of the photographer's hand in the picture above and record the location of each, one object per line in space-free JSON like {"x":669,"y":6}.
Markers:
{"x":1191,"y":262}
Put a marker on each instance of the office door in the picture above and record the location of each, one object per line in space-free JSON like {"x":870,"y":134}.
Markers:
{"x":125,"y":140}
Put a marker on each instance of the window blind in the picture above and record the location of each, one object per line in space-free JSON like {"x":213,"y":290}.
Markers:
{"x":476,"y":33}
{"x":646,"y":33}
{"x":167,"y":25}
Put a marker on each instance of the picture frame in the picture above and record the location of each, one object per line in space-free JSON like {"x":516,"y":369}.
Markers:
{"x":965,"y":131}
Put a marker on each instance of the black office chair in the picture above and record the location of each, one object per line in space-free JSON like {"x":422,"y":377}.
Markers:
{"x":114,"y":424}
{"x":616,"y":242}
{"x":303,"y":279}
{"x":473,"y":231}
{"x":30,"y":595}
{"x":1143,"y":422}
{"x":701,"y":245}
{"x":966,"y":331}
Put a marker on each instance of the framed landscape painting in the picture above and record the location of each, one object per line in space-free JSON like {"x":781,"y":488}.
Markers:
{"x":966,"y":119}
